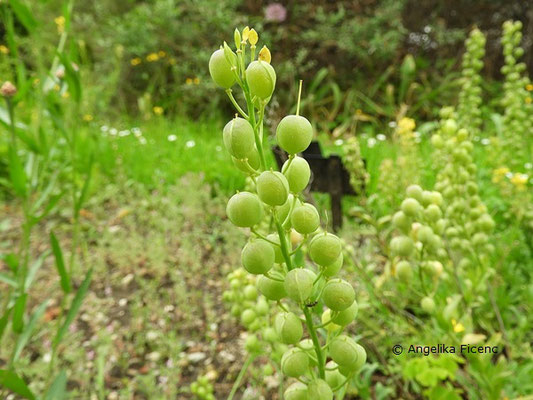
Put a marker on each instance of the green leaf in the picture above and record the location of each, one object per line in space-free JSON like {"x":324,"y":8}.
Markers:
{"x":16,"y":173}
{"x":58,"y":389}
{"x":60,"y":264}
{"x":28,"y":330}
{"x":85,"y":189}
{"x":8,"y":279}
{"x":72,"y":78}
{"x":3,"y":321}
{"x":12,"y":262}
{"x":33,"y":270}
{"x":13,"y":382}
{"x":74,"y":308}
{"x":24,"y":15}
{"x":18,"y":313}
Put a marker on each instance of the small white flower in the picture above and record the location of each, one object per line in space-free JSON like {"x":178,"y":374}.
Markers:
{"x":417,"y":134}
{"x":371,"y":142}
{"x":113,"y":132}
{"x":392,"y":124}
{"x":509,"y":175}
{"x":124,"y":133}
{"x":142,"y":140}
{"x":485,"y":141}
{"x":172,"y":138}
{"x":528,"y":165}
{"x":47,"y":357}
{"x":190,"y":144}
{"x":339,"y":142}
{"x":381,"y":137}
{"x":218,"y":148}
{"x":104,"y":128}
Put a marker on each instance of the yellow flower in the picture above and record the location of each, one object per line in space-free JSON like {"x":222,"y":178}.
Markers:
{"x":65,"y":95}
{"x":406,"y":125}
{"x":3,"y":49}
{"x":245,"y":34}
{"x":136,"y":61}
{"x":172,"y":61}
{"x":519,"y":181}
{"x":60,"y":22}
{"x":264,"y":53}
{"x":253,"y":37}
{"x":528,"y":100}
{"x":57,"y":87}
{"x":161,"y":54}
{"x":188,"y":81}
{"x":499,"y":173}
{"x":152,"y":57}
{"x":457,"y":326}
{"x":88,"y":118}
{"x":529,"y":87}
{"x":196,"y":80}
{"x":158,"y":110}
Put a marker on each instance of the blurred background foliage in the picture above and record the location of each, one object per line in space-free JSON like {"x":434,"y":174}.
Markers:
{"x":144,"y":54}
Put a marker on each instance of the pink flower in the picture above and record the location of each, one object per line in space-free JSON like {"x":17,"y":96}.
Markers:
{"x":275,"y":12}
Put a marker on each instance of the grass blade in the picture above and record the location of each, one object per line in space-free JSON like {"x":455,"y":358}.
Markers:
{"x":18,"y":313}
{"x":3,"y":321}
{"x":60,"y":264}
{"x":74,"y":308}
{"x":58,"y":388}
{"x":16,"y":173}
{"x":8,"y":279}
{"x":24,"y":15}
{"x":33,"y":270}
{"x":13,"y":382}
{"x":28,"y":330}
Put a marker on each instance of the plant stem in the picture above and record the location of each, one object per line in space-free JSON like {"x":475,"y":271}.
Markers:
{"x":235,"y":104}
{"x":299,"y":97}
{"x":316,"y":344}
{"x":237,"y":382}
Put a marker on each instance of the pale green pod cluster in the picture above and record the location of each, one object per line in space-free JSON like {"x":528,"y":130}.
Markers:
{"x":202,"y":388}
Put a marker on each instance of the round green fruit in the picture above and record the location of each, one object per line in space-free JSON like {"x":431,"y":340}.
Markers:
{"x":305,"y":219}
{"x":258,"y":256}
{"x":244,"y":209}
{"x":294,"y":362}
{"x":347,"y":353}
{"x":402,"y":245}
{"x":345,"y":317}
{"x":261,"y":79}
{"x":239,"y":138}
{"x":404,"y":272}
{"x":294,"y":134}
{"x":428,"y":304}
{"x":289,"y":328}
{"x":252,"y":159}
{"x":415,"y":192}
{"x":247,"y":317}
{"x":273,"y":237}
{"x":297,"y":173}
{"x":299,"y":284}
{"x":250,"y":292}
{"x":271,"y":289}
{"x":296,"y":391}
{"x":333,"y":269}
{"x":220,"y":70}
{"x":333,"y":377}
{"x":338,"y":295}
{"x":401,"y":221}
{"x":325,"y":249}
{"x":319,"y":390}
{"x":273,"y":188}
{"x":410,"y":207}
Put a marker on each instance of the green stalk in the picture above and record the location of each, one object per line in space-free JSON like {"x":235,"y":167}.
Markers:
{"x":237,"y":382}
{"x":316,"y":343}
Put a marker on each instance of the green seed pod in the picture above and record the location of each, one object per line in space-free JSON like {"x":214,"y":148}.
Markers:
{"x":346,"y":317}
{"x":294,"y":362}
{"x":299,"y":284}
{"x":347,"y":353}
{"x":244,"y":209}
{"x":220,"y":70}
{"x":410,"y":207}
{"x":270,"y":335}
{"x":333,"y":269}
{"x":258,"y":256}
{"x":401,"y":221}
{"x":289,"y":328}
{"x":428,"y":305}
{"x":250,"y":292}
{"x":296,"y":391}
{"x":252,"y":344}
{"x":324,"y":249}
{"x":404,"y":272}
{"x":273,"y":188}
{"x":425,"y":234}
{"x":305,"y":219}
{"x":319,"y":390}
{"x":271,"y":289}
{"x":297,"y":173}
{"x":248,"y":316}
{"x":261,"y":307}
{"x":239,"y":138}
{"x":294,"y":134}
{"x":402,"y":245}
{"x":261,"y":78}
{"x":333,"y":377}
{"x":308,"y":346}
{"x":326,"y":318}
{"x":283,"y":211}
{"x":432,"y":212}
{"x":273,"y":237}
{"x":415,"y":192}
{"x":253,"y":161}
{"x":338,"y":295}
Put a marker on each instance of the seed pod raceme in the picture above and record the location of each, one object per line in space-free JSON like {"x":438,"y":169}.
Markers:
{"x":305,"y":219}
{"x":273,"y":188}
{"x":294,"y":362}
{"x":244,"y":209}
{"x":239,"y":138}
{"x":347,"y":353}
{"x":294,"y":134}
{"x":324,"y":249}
{"x":220,"y":70}
{"x":299,"y":284}
{"x":289,"y":328}
{"x":297,"y":172}
{"x":338,"y":295}
{"x":261,"y":78}
{"x":258,"y":256}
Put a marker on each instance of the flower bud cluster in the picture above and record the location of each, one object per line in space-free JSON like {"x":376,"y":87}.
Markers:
{"x":469,"y":104}
{"x":282,"y":224}
{"x":517,"y":101}
{"x":353,"y":162}
{"x":202,"y":389}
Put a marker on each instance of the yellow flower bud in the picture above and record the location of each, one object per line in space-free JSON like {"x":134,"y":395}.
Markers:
{"x":264,"y":54}
{"x":245,"y":34}
{"x":253,"y":37}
